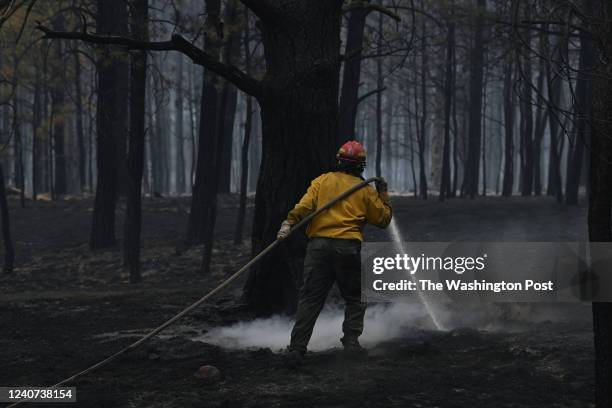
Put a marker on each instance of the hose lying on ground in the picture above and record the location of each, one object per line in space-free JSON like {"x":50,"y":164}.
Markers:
{"x":213,"y":292}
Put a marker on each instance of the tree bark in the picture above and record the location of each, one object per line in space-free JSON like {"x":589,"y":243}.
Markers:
{"x":57,"y":107}
{"x":36,"y":124}
{"x":179,"y":128}
{"x":299,"y":98}
{"x":600,"y":197}
{"x":209,"y":115}
{"x":231,"y":54}
{"x":111,"y":124}
{"x":379,"y":85}
{"x":9,"y":251}
{"x":423,"y":133}
{"x":471,"y":177}
{"x":18,"y":142}
{"x":78,"y":95}
{"x":509,"y":102}
{"x":351,"y":76}
{"x":445,"y":181}
{"x":244,"y":153}
{"x":136,"y":142}
{"x":584,"y":95}
{"x":556,"y":129}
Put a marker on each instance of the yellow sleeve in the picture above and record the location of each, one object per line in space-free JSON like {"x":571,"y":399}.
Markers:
{"x":308,"y":203}
{"x":378,"y":208}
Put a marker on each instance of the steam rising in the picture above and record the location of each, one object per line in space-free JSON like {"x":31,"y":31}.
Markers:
{"x":382,"y":322}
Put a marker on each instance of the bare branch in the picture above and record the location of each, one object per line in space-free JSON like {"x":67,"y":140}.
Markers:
{"x":178,"y":43}
{"x":368,"y":94}
{"x":359,"y":4}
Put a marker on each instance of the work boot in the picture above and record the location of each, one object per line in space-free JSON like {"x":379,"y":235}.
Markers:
{"x":293,"y":359}
{"x":352,"y":346}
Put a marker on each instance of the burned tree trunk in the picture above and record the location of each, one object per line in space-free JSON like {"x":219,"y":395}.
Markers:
{"x":423,"y":124}
{"x":556,"y":133}
{"x":526,"y":136}
{"x":299,"y":98}
{"x":9,"y":251}
{"x":379,"y":84}
{"x":111,"y":123}
{"x":58,"y":107}
{"x":209,"y":149}
{"x":136,"y":141}
{"x":179,"y":128}
{"x":472,"y":165}
{"x":445,"y":183}
{"x":231,"y":53}
{"x":78,"y":96}
{"x":600,"y":199}
{"x":36,"y":123}
{"x":244,"y":152}
{"x":349,"y":93}
{"x":509,"y":101}
{"x":584,"y":96}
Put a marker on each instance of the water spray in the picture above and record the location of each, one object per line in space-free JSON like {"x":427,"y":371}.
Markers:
{"x":213,"y":292}
{"x":399,"y":243}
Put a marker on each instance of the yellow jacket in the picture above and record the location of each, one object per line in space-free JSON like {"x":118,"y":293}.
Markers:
{"x":345,"y":219}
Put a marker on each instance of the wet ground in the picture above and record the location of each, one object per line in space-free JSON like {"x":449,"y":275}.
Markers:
{"x":66,"y":308}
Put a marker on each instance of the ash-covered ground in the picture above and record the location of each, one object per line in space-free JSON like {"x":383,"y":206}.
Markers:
{"x":65,"y":308}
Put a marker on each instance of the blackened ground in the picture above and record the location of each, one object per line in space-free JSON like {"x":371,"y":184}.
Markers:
{"x":66,"y":308}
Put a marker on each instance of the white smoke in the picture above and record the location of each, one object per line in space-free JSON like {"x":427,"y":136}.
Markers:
{"x":382,"y":322}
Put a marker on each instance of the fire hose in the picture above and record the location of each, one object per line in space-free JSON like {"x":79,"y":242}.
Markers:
{"x":213,"y":292}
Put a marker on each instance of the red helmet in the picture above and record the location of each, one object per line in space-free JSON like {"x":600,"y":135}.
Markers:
{"x":352,"y":152}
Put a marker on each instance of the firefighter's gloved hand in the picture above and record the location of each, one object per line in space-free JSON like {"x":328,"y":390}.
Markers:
{"x":381,"y":185}
{"x":284,"y":230}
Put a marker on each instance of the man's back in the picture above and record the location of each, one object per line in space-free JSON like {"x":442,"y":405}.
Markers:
{"x":344,"y":220}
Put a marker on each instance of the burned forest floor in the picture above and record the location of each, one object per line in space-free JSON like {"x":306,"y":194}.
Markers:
{"x":65,"y":308}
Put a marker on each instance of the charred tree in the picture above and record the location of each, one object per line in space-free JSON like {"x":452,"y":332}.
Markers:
{"x":423,"y":120}
{"x":111,"y":123}
{"x":526,"y":102}
{"x":584,"y":96}
{"x":540,"y":118}
{"x":206,"y":173}
{"x":379,"y":113}
{"x":59,"y":116}
{"x":556,"y":128}
{"x":36,"y":125}
{"x":509,"y":103}
{"x":231,"y":53}
{"x":9,"y":251}
{"x":136,"y":141}
{"x":80,"y":136}
{"x":351,"y":75}
{"x":445,"y":181}
{"x":600,"y":196}
{"x":472,"y":165}
{"x":179,"y":104}
{"x":18,"y":141}
{"x":244,"y":151}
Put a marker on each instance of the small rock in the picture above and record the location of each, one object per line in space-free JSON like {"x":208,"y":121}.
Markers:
{"x":208,"y":373}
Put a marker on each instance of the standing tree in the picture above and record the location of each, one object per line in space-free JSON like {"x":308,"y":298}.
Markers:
{"x":9,"y":251}
{"x":111,"y":122}
{"x":472,"y":166}
{"x":600,"y":197}
{"x":136,"y":142}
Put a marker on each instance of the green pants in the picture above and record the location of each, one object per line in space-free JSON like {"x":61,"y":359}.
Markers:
{"x":327,"y":261}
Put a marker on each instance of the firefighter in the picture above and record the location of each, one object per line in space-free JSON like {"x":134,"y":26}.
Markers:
{"x":334,"y":246}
